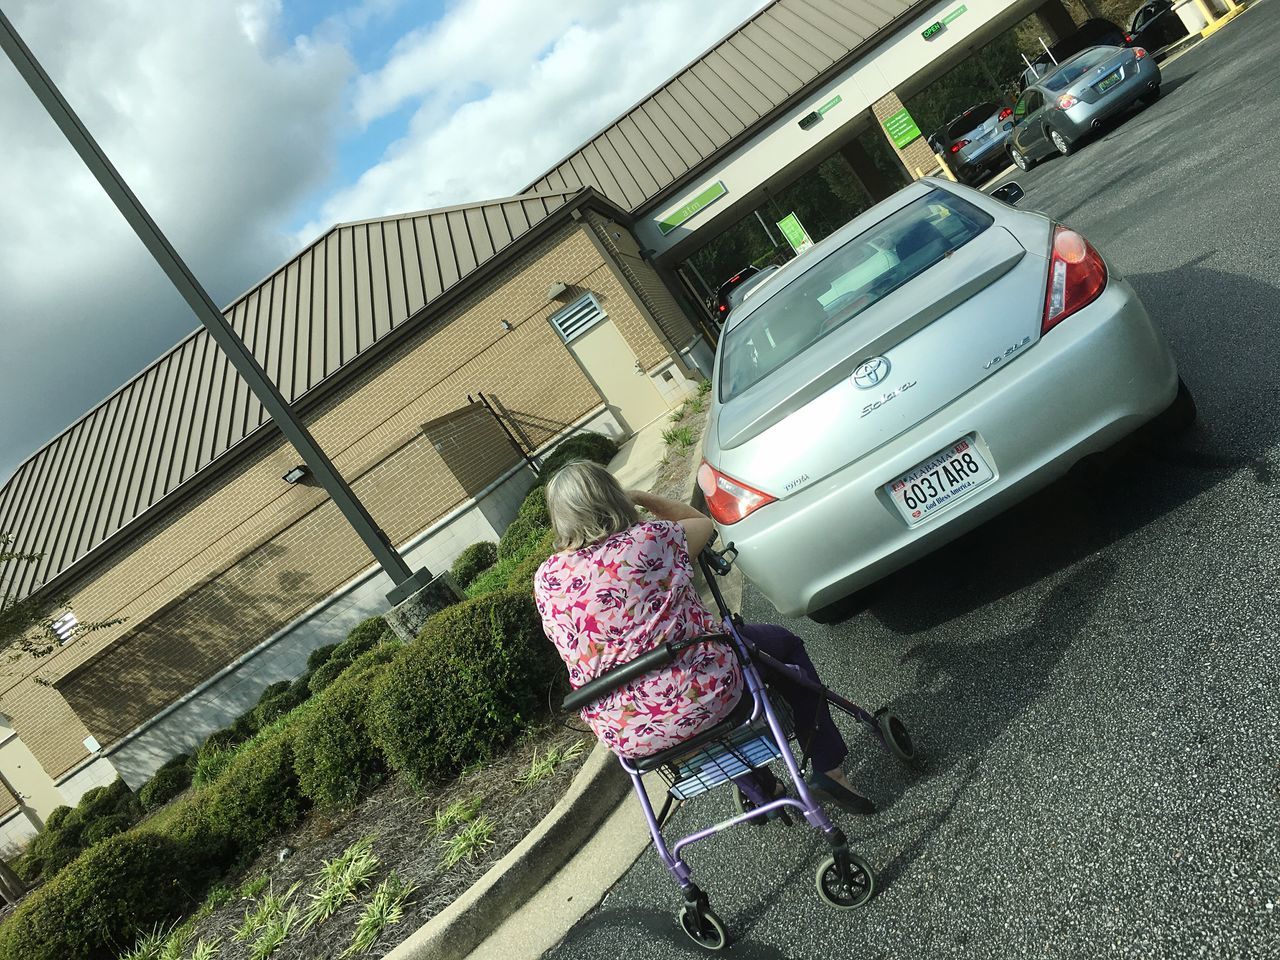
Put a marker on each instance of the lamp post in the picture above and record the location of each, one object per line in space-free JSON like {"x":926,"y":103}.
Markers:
{"x":407,"y":583}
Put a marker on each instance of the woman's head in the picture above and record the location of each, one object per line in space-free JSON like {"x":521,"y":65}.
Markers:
{"x":587,"y":504}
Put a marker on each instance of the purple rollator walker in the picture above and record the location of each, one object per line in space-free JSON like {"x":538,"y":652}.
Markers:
{"x":754,"y":735}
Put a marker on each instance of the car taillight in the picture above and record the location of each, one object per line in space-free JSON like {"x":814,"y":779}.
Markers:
{"x":955,"y":147}
{"x":1006,"y":112}
{"x":724,"y":308}
{"x":1077,"y":277}
{"x":728,"y":500}
{"x":1067,"y":101}
{"x":1139,"y":53}
{"x":1128,"y":38}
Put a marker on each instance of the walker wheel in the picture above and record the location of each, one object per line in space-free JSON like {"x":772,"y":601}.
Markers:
{"x":896,"y":737}
{"x":841,"y":894}
{"x":711,"y":936}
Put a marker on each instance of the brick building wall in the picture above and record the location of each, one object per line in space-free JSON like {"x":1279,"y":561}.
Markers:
{"x":250,"y":552}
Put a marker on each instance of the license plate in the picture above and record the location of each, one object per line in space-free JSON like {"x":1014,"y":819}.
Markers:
{"x":1110,"y":80}
{"x":944,"y":478}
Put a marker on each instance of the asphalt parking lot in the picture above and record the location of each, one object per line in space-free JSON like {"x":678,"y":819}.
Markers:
{"x":1094,"y":675}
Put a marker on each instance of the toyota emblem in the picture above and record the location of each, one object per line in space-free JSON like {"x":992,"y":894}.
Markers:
{"x":870,"y":372}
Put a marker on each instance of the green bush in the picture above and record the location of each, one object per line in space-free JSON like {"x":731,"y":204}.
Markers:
{"x":364,"y":636}
{"x":272,"y":709}
{"x":164,"y":785}
{"x":519,"y":537}
{"x":54,"y":820}
{"x":181,"y":761}
{"x":120,"y":888}
{"x":300,"y":689}
{"x":534,"y":507}
{"x":273,"y":690}
{"x":473,"y":561}
{"x":334,"y":755}
{"x":465,"y":688}
{"x":255,"y":798}
{"x":523,"y":569}
{"x":319,"y":655}
{"x":581,"y":446}
{"x":104,"y":827}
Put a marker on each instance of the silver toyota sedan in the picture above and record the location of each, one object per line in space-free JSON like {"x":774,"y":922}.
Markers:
{"x":937,"y":359}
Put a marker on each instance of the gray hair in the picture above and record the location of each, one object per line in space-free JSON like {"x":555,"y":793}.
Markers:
{"x":587,"y":504}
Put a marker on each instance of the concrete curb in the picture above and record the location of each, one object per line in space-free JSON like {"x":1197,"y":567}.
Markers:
{"x":462,"y":926}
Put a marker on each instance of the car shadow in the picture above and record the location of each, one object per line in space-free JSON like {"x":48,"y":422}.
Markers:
{"x":1018,"y":663}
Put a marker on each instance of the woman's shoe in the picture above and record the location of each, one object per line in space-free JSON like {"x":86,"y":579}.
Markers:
{"x":846,"y":798}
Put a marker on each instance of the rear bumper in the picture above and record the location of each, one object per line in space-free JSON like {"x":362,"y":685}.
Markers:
{"x":1095,"y":378}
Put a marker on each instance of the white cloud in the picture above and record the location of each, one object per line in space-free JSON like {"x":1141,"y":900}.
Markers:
{"x":501,"y":91}
{"x":222,"y":130}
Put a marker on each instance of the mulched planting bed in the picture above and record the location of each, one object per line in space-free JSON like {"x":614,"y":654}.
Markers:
{"x":400,"y":821}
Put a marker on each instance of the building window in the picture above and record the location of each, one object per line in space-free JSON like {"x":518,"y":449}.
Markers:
{"x":578,"y":317}
{"x":65,"y":627}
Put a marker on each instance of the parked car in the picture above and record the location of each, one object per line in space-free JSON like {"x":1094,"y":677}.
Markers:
{"x":724,"y":302}
{"x":1092,"y":33}
{"x":934,"y":361}
{"x":1053,"y":114}
{"x":1154,"y":26}
{"x":974,"y":142}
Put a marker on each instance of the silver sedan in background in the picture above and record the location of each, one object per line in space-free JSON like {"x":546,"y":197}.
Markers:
{"x":937,"y":359}
{"x":1063,"y":106}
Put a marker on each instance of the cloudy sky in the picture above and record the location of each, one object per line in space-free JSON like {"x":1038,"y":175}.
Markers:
{"x":250,"y":127}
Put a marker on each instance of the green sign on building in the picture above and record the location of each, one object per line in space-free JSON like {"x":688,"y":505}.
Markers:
{"x":699,"y":203}
{"x":901,"y":128}
{"x":795,"y":233}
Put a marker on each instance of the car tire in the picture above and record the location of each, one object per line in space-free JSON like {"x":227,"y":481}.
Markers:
{"x":1061,"y":143}
{"x":1020,"y":159}
{"x":1151,"y":98}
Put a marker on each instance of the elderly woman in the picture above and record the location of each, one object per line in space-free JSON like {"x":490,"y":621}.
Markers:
{"x":619,"y":586}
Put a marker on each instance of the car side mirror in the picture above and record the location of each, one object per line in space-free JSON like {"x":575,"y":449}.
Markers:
{"x":1009,"y":193}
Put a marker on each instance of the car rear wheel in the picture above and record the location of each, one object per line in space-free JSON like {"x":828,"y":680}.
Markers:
{"x":1061,"y":143}
{"x":1020,"y":159}
{"x":1151,"y":97}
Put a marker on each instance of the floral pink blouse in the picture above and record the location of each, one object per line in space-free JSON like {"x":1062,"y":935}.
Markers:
{"x":610,"y":602}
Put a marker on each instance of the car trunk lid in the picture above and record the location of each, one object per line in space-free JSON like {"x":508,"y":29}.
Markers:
{"x":941,"y":333}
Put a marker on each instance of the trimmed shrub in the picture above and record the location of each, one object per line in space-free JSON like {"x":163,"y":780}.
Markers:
{"x":364,"y":636}
{"x":181,"y":761}
{"x":334,"y":755}
{"x":104,"y":827}
{"x":521,"y":576}
{"x":273,"y":690}
{"x":166,"y":784}
{"x":473,"y":561}
{"x":120,"y":888}
{"x":255,"y":798}
{"x":581,"y":446}
{"x":223,"y":739}
{"x":268,"y":711}
{"x":319,"y":655}
{"x":520,"y":536}
{"x":54,"y":820}
{"x":534,"y":507}
{"x":300,"y":689}
{"x":464,"y":689}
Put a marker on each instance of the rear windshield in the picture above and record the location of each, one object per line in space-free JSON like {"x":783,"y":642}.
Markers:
{"x":971,"y":120}
{"x":1077,"y":68}
{"x":843,"y":284}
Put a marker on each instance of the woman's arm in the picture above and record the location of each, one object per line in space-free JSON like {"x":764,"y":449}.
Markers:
{"x":698,"y":528}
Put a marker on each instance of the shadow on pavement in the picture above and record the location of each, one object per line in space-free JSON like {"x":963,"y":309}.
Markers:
{"x":1018,"y":664}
